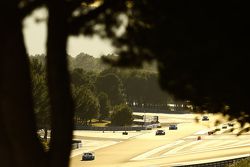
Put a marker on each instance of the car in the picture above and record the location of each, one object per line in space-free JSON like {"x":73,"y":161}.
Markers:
{"x":88,"y":156}
{"x":205,"y":118}
{"x":172,"y":127}
{"x":160,"y":132}
{"x":217,"y":129}
{"x":224,"y":127}
{"x":230,"y":124}
{"x":125,"y":133}
{"x":210,"y":132}
{"x":158,"y":126}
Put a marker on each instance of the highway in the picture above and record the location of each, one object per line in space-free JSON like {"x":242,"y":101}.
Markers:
{"x":177,"y":147}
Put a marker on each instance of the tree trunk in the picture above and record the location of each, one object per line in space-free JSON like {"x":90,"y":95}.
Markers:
{"x":20,"y":146}
{"x":59,"y":85}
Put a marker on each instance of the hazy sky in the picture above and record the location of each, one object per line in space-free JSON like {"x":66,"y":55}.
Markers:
{"x":35,"y":39}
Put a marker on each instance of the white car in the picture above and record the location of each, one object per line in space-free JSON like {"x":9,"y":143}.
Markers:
{"x":88,"y":156}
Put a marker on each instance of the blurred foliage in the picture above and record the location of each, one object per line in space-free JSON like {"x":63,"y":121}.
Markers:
{"x":241,"y":163}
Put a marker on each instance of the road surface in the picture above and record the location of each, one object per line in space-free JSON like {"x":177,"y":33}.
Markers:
{"x":142,"y":149}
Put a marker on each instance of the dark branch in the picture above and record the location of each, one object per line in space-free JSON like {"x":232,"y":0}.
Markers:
{"x":78,"y":22}
{"x":28,"y":7}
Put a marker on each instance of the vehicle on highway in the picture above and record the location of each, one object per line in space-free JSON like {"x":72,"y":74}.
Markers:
{"x":211,"y":132}
{"x":205,"y":118}
{"x":125,"y":133}
{"x":88,"y":156}
{"x":172,"y":127}
{"x":217,"y":129}
{"x":224,"y":127}
{"x":158,"y":126}
{"x":160,"y":132}
{"x":230,"y":124}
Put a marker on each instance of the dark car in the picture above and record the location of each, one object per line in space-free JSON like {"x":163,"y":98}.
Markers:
{"x":205,"y":118}
{"x":88,"y":156}
{"x":160,"y":132}
{"x":125,"y":133}
{"x":158,"y":126}
{"x":224,"y":126}
{"x":210,"y":132}
{"x":230,"y":124}
{"x":217,"y":129}
{"x":172,"y":127}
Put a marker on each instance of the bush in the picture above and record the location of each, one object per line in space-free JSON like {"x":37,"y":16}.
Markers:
{"x":241,"y":163}
{"x":122,"y":115}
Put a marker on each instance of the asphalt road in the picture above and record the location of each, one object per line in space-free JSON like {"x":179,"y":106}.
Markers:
{"x":176,"y":147}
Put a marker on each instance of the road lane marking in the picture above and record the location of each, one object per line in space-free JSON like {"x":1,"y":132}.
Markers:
{"x":175,"y":150}
{"x":202,"y":132}
{"x":91,"y":147}
{"x":156,"y":150}
{"x":205,"y":150}
{"x":213,"y":143}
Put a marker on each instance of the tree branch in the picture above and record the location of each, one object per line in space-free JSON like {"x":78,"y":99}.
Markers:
{"x":76,"y":23}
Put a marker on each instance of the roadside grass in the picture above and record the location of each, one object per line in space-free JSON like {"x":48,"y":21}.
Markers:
{"x":241,"y":163}
{"x":103,"y":123}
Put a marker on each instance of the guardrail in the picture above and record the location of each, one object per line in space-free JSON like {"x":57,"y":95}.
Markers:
{"x":222,"y":163}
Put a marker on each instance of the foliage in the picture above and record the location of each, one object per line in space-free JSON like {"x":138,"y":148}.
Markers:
{"x":112,"y":86}
{"x":45,"y":144}
{"x":86,"y":104}
{"x":201,"y":50}
{"x":122,"y":115}
{"x":104,"y":106}
{"x":143,"y":88}
{"x":204,"y":57}
{"x":88,"y":63}
{"x":81,"y":77}
{"x":241,"y":163}
{"x":40,"y":94}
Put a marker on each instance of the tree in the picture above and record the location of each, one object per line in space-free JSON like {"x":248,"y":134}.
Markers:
{"x":17,"y":108}
{"x":80,"y":77}
{"x":86,"y":104}
{"x":122,"y":115}
{"x":201,"y":50}
{"x":104,"y":106}
{"x":40,"y":95}
{"x":196,"y":61}
{"x":19,"y":143}
{"x":112,"y":86}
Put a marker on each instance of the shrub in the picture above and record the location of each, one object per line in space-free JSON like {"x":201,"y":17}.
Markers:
{"x":122,"y":115}
{"x":241,"y":163}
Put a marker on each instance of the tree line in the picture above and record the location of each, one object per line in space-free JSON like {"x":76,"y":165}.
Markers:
{"x":201,"y":49}
{"x":98,"y":95}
